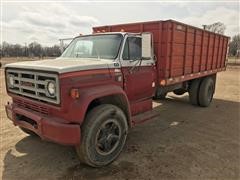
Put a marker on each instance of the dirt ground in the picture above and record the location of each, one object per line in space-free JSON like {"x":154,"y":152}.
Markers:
{"x":182,"y":142}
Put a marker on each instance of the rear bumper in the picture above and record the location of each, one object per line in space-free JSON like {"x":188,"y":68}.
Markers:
{"x":47,"y":127}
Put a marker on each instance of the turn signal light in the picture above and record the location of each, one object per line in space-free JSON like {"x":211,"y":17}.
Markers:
{"x":75,"y":93}
{"x":163,"y":82}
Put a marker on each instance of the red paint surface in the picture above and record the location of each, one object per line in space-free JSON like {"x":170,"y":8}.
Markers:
{"x":47,"y":127}
{"x":72,"y":110}
{"x":138,"y":87}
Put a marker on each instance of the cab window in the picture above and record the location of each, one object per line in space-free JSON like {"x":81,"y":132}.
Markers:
{"x":132,"y":49}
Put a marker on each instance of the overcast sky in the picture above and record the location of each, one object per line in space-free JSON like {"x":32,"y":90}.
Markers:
{"x":47,"y":22}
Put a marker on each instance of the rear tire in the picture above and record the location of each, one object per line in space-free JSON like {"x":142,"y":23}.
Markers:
{"x":160,"y":95}
{"x":104,"y":133}
{"x":179,"y":91}
{"x":206,"y":92}
{"x":28,"y":132}
{"x":193,"y":92}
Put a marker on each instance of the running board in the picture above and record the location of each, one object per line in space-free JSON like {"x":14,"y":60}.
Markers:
{"x":143,"y":117}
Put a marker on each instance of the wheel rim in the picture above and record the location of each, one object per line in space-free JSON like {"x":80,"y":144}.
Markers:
{"x":108,"y":137}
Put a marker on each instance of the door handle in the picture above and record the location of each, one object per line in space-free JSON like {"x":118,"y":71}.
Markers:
{"x":150,"y":63}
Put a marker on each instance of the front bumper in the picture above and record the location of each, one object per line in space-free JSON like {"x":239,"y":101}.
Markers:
{"x":47,"y":127}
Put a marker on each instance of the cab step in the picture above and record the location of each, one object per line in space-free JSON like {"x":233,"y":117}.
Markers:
{"x":143,"y":117}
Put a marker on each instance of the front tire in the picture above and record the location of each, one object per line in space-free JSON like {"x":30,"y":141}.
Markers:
{"x":104,"y":133}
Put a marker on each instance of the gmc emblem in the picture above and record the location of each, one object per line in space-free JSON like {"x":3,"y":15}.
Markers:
{"x":28,"y":84}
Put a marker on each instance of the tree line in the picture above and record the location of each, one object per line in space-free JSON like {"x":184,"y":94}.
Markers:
{"x":33,"y":49}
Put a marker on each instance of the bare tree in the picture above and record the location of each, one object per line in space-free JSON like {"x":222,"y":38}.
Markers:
{"x":5,"y":49}
{"x":34,"y":49}
{"x":234,"y":46}
{"x":1,"y":51}
{"x":217,"y":27}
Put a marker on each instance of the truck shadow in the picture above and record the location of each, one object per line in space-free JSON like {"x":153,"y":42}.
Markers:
{"x":32,"y":158}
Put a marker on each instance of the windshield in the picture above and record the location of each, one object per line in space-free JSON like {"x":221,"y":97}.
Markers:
{"x":95,"y":46}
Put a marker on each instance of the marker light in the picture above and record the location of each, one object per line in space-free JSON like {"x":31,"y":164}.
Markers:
{"x":74,"y":93}
{"x":163,"y":82}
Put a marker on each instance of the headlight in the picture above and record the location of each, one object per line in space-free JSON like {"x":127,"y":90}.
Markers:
{"x":51,"y":88}
{"x":11,"y":81}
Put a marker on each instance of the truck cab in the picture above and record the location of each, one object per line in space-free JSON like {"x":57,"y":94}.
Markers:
{"x":88,"y":96}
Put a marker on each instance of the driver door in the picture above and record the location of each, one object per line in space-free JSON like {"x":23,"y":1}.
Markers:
{"x":139,"y":74}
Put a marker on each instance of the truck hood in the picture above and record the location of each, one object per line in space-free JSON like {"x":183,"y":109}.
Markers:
{"x":63,"y":65}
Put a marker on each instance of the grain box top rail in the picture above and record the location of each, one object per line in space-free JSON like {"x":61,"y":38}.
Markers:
{"x":148,"y":22}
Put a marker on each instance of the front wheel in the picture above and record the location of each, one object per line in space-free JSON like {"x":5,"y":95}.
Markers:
{"x":104,"y":133}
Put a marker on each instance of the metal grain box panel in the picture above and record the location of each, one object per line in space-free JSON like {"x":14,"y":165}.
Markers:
{"x":183,"y":51}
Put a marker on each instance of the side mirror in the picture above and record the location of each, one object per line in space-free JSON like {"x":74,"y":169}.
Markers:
{"x":146,"y":46}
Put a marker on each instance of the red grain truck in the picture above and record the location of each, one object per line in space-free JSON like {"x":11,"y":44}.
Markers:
{"x":91,"y":95}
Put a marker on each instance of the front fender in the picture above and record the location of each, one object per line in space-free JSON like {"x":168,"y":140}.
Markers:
{"x":87,"y":95}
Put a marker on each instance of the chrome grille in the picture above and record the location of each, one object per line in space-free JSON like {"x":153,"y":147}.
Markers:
{"x":32,"y":84}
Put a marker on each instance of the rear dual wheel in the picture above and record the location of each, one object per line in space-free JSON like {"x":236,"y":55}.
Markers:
{"x":179,"y":91}
{"x":201,"y":91}
{"x":206,"y":92}
{"x":160,"y":95}
{"x":104,"y":133}
{"x":194,"y":91}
